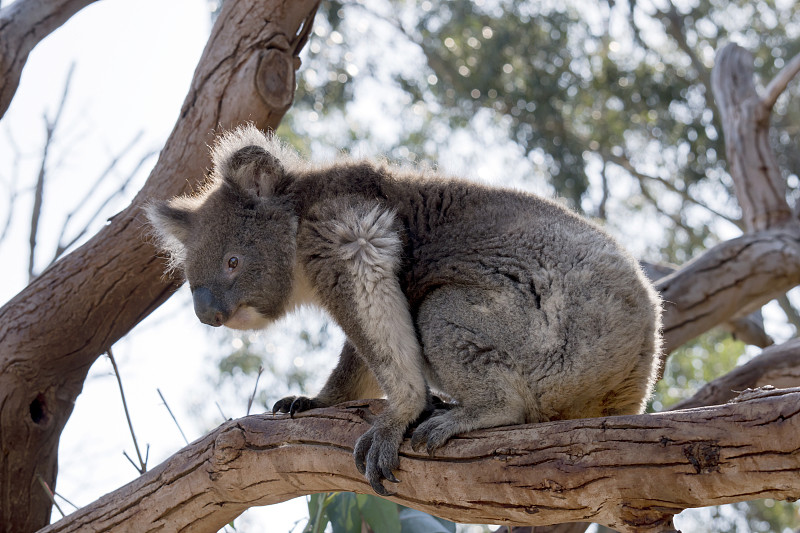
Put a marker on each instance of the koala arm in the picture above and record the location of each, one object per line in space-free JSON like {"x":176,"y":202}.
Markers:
{"x":351,"y":379}
{"x":350,"y":251}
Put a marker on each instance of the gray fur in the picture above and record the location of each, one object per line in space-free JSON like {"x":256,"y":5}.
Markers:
{"x":506,"y":302}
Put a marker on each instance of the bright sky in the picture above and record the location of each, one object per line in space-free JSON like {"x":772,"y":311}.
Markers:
{"x":134,"y":62}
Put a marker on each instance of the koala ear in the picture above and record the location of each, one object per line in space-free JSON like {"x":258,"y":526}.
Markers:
{"x":252,"y":169}
{"x":172,"y":223}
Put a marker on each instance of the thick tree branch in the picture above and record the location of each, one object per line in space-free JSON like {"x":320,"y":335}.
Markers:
{"x":53,"y":330}
{"x":760,"y":187}
{"x":729,"y":281}
{"x":22,"y":25}
{"x":630,"y":473}
{"x":748,"y":329}
{"x":778,"y":366}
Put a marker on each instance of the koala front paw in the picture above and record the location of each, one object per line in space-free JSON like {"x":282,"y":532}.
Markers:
{"x":296,"y":404}
{"x":375,"y":455}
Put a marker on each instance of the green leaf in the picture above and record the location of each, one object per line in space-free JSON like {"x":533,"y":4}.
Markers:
{"x":344,"y":514}
{"x":381,"y":515}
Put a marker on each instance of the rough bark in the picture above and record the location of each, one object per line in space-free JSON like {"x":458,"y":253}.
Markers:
{"x":778,"y":366}
{"x":22,"y":25}
{"x":748,"y":329}
{"x":631,"y":473}
{"x":53,"y":330}
{"x":729,"y":281}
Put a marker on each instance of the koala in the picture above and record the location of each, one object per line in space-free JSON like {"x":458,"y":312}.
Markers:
{"x":508,"y":303}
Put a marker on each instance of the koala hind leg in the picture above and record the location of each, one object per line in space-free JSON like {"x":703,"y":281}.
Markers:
{"x":464,"y":335}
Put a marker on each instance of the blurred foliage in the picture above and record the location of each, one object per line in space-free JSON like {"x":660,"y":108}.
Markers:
{"x":612,"y":96}
{"x":347,"y":512}
{"x":694,"y":364}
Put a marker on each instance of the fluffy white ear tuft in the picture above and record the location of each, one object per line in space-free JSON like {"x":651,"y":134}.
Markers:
{"x":252,"y":160}
{"x":172,"y":226}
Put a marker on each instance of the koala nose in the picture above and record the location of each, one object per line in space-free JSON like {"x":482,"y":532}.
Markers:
{"x":207,"y":308}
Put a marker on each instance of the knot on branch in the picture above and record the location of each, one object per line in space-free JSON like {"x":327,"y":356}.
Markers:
{"x":704,"y":456}
{"x":275,"y":74}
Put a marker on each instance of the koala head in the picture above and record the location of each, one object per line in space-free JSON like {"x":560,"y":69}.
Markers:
{"x":235,"y":240}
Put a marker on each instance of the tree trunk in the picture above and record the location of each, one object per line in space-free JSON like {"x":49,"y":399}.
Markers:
{"x":630,"y":473}
{"x":52,"y":331}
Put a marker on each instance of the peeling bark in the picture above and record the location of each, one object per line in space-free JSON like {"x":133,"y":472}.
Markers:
{"x":631,"y":473}
{"x":53,"y":330}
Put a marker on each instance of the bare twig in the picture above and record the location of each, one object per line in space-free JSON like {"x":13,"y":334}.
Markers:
{"x":173,"y":416}
{"x":779,"y":83}
{"x":142,"y":468}
{"x":62,"y":246}
{"x":66,"y":500}
{"x":219,"y":408}
{"x":50,"y":494}
{"x":626,"y":164}
{"x":255,"y":388}
{"x":36,"y":214}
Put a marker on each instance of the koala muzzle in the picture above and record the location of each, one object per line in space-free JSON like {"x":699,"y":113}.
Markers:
{"x":207,"y":307}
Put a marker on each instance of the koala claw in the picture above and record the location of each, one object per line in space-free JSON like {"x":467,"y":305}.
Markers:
{"x":375,"y":456}
{"x":295,"y":404}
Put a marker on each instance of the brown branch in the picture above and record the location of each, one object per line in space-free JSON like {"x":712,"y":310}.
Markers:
{"x":22,"y":26}
{"x":748,"y":329}
{"x":631,"y":473}
{"x":779,"y":83}
{"x":791,"y":313}
{"x":729,"y":281}
{"x":760,"y":187}
{"x":778,"y":366}
{"x":52,"y":331}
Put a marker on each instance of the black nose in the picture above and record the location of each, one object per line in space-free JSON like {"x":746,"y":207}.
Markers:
{"x":207,"y":308}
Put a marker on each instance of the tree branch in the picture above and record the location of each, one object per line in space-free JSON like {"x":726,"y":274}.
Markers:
{"x":631,"y":473}
{"x":729,"y":281}
{"x":778,"y":366}
{"x":760,"y":187}
{"x":52,"y":331}
{"x":22,"y":26}
{"x":779,"y":83}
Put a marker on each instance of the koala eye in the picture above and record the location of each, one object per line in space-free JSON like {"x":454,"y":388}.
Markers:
{"x":233,"y":262}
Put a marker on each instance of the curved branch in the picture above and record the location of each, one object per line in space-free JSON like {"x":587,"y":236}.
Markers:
{"x":52,"y":331}
{"x":631,"y":473}
{"x":22,"y":26}
{"x":778,"y":366}
{"x":779,"y":83}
